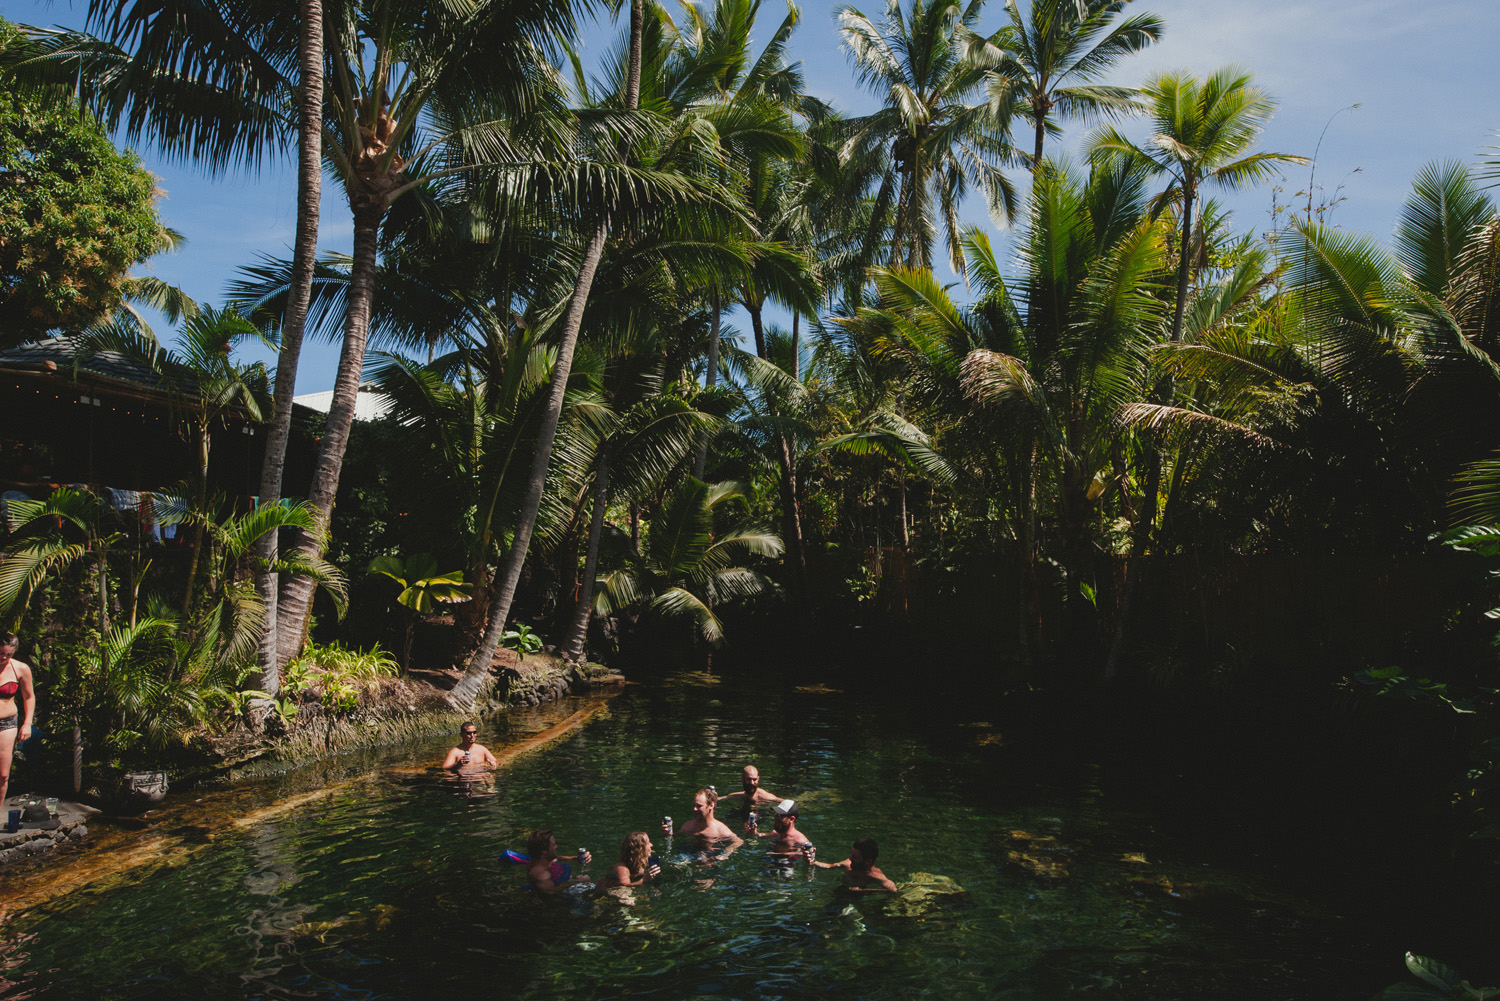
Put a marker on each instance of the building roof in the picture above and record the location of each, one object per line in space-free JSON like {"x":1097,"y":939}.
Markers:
{"x":370,"y":405}
{"x":54,"y":356}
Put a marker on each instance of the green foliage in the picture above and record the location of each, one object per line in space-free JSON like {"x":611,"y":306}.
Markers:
{"x":338,"y":678}
{"x":1439,"y":982}
{"x":522,"y":639}
{"x":422,"y":586}
{"x":686,"y":567}
{"x":75,"y":215}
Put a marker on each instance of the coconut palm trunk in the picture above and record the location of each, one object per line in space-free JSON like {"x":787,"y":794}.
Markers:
{"x":578,"y":628}
{"x":478,"y":668}
{"x":294,"y":321}
{"x":467,"y":689}
{"x":710,"y":380}
{"x":297,"y":597}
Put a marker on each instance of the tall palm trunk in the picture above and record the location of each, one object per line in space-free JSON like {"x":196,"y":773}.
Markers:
{"x":1185,"y":263}
{"x":467,"y":689}
{"x":710,"y":380}
{"x":297,"y":598}
{"x":478,"y":668}
{"x":294,"y":321}
{"x":578,"y":628}
{"x":203,"y":442}
{"x":1144,"y":536}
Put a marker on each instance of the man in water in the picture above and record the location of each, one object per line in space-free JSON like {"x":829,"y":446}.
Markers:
{"x":752,"y":795}
{"x":545,"y":870}
{"x":469,"y":756}
{"x":704,"y":824}
{"x":861,"y":866}
{"x":788,"y":840}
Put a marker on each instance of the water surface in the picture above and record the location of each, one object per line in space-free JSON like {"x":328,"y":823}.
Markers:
{"x":388,"y":884}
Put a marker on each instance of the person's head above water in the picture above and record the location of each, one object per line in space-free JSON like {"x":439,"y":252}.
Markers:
{"x":864,"y":853}
{"x":541,"y":844}
{"x":704,"y":802}
{"x":635,"y":852}
{"x":750,"y":779}
{"x":466,"y":732}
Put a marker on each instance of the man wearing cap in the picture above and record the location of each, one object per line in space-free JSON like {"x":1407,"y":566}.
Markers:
{"x":752,"y":795}
{"x":788,"y":840}
{"x":468,"y":755}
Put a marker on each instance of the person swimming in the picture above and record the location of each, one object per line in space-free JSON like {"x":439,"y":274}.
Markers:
{"x":861,"y":867}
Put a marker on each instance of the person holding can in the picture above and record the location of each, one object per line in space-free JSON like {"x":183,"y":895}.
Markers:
{"x":787,"y":840}
{"x":704,"y":824}
{"x":546,"y":869}
{"x":636,"y":864}
{"x":468,"y":755}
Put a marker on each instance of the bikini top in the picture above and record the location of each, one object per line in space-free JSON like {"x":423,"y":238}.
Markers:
{"x":9,"y":689}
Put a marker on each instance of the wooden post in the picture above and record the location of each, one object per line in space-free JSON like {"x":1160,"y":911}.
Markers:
{"x":77,"y":758}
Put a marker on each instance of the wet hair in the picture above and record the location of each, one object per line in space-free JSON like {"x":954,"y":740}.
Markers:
{"x":868,"y":849}
{"x":10,"y":640}
{"x":539,"y":842}
{"x":465,"y":725}
{"x":634,"y":855}
{"x":710,"y":795}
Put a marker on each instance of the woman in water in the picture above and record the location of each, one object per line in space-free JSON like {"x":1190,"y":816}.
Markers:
{"x":635,"y":865}
{"x":15,"y":721}
{"x":546,"y":872}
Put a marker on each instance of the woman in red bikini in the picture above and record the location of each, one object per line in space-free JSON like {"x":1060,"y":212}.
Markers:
{"x":15,"y":682}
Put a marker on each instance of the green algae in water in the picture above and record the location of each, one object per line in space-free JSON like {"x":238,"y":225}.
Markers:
{"x":391,"y":887}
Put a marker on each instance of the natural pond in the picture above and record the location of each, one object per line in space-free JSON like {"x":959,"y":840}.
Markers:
{"x":382,"y":881}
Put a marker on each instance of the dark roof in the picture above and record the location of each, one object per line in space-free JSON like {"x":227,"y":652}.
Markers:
{"x":55,"y":355}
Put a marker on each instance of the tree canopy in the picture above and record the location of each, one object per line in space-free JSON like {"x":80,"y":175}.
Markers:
{"x":76,"y":214}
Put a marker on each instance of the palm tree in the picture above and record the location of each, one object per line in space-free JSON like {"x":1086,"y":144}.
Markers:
{"x":674,"y":163}
{"x":200,"y":378}
{"x":211,"y":82}
{"x":1024,"y":392}
{"x":940,"y":137}
{"x":422,"y":588}
{"x":1041,"y":65}
{"x":686,"y":568}
{"x":1204,"y":131}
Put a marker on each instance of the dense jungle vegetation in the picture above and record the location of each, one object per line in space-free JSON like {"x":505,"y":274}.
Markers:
{"x":1133,"y":449}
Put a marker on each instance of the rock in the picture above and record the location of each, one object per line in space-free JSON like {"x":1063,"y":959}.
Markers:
{"x":79,"y":833}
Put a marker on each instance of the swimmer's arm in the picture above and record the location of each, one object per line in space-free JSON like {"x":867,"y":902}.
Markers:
{"x":544,"y":883}
{"x":882,"y":883}
{"x":489,"y":759}
{"x":452,"y":760}
{"x":732,"y":795}
{"x":846,"y":864}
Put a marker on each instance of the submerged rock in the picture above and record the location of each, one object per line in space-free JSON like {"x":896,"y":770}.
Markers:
{"x":923,"y":893}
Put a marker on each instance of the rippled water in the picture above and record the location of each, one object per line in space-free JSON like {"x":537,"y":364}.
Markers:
{"x":389,"y":885}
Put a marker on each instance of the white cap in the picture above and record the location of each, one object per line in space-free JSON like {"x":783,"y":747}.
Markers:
{"x":786,"y":806}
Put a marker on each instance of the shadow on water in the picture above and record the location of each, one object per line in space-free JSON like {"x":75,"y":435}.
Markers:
{"x":377,"y":878}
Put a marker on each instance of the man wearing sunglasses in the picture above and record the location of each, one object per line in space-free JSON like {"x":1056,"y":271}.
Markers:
{"x":469,"y":756}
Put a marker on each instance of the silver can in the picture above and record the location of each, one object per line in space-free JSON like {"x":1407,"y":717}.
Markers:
{"x":583,"y":854}
{"x":666,"y":822}
{"x":753,"y":820}
{"x":811,"y":851}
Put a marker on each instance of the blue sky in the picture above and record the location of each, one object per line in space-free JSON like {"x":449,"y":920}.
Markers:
{"x":1421,"y":75}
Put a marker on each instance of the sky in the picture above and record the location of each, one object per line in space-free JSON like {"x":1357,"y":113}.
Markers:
{"x":1388,"y":85}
